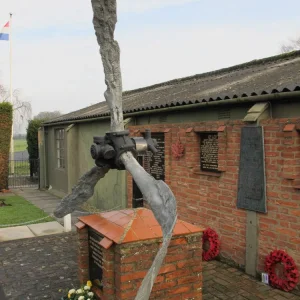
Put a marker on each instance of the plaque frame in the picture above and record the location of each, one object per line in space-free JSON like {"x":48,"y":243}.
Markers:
{"x":252,"y":177}
{"x":212,"y":167}
{"x":137,"y":196}
{"x":148,"y":164}
{"x":95,"y":271}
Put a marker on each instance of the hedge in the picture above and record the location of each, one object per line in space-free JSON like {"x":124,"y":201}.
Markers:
{"x":32,"y":143}
{"x":32,"y":138}
{"x":6,"y":118}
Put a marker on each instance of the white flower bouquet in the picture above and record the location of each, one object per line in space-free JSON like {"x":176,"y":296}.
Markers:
{"x":84,"y":293}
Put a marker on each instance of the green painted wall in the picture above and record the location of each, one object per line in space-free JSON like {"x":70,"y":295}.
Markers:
{"x":199,"y":115}
{"x":110,"y":191}
{"x":289,"y":109}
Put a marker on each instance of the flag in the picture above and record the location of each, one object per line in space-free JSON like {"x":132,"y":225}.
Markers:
{"x":4,"y":33}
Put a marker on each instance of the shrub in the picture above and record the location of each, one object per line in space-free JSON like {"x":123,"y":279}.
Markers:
{"x":33,"y":145}
{"x":6,"y":115}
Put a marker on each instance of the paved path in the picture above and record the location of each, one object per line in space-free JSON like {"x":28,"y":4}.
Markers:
{"x":222,"y":282}
{"x":45,"y":201}
{"x":37,"y":268}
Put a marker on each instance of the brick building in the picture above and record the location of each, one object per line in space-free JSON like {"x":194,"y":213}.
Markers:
{"x":212,"y":109}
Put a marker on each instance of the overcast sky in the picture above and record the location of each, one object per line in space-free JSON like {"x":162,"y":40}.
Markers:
{"x":57,"y":65}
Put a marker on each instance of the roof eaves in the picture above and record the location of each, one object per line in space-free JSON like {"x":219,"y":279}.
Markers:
{"x":180,"y":103}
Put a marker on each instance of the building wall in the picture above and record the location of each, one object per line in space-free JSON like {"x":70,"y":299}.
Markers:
{"x":57,"y":178}
{"x":110,"y":191}
{"x":210,"y":201}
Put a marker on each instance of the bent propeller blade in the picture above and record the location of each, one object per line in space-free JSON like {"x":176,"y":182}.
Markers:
{"x":156,"y":192}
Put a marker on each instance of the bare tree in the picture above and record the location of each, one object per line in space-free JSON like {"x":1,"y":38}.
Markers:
{"x":21,"y":113}
{"x":22,"y":109}
{"x":293,"y":45}
{"x":47,"y":115}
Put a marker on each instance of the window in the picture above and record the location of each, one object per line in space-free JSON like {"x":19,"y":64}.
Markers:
{"x":60,"y":149}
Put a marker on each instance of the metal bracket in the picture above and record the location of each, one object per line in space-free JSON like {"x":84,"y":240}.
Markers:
{"x":106,"y":150}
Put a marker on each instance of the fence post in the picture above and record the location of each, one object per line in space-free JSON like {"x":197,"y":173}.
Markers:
{"x":68,"y":223}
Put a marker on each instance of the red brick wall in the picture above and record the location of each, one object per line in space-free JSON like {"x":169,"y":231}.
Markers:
{"x":210,"y":201}
{"x":83,"y":255}
{"x":108,"y":292}
{"x":125,"y":266}
{"x":179,"y":278}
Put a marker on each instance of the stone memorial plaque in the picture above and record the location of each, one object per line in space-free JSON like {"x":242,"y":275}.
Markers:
{"x":155,"y":163}
{"x":251,"y":185}
{"x":95,"y":257}
{"x":209,"y":149}
{"x":137,"y":196}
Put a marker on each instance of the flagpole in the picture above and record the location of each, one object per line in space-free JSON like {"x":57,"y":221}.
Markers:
{"x":11,"y":96}
{"x":10,"y":56}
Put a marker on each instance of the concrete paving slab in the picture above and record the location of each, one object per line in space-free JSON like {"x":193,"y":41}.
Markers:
{"x":46,"y":228}
{"x":15,"y":233}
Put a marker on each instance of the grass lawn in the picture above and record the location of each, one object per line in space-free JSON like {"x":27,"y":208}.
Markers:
{"x":20,"y":145}
{"x":21,"y":211}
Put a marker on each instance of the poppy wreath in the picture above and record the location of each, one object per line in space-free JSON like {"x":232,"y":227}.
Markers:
{"x":290,"y":271}
{"x":177,"y":150}
{"x":209,"y":235}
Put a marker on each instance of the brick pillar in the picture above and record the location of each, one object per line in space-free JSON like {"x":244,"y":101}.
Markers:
{"x":83,"y":253}
{"x":108,"y":280}
{"x":130,"y":241}
{"x":179,"y":278}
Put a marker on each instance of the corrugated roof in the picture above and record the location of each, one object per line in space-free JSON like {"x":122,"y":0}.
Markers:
{"x":275,"y":74}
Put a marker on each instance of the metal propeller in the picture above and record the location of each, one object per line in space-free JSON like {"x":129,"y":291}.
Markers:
{"x":117,"y":150}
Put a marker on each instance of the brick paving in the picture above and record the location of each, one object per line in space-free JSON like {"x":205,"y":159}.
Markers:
{"x":222,"y":282}
{"x":38,"y":268}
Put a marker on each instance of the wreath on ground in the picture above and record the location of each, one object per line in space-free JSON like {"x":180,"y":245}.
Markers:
{"x":210,"y":237}
{"x":282,"y":270}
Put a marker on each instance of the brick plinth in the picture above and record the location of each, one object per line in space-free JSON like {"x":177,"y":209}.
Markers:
{"x":179,"y":278}
{"x":131,"y":240}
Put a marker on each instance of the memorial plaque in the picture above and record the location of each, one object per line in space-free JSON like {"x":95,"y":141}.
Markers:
{"x":209,"y":149}
{"x":95,"y":258}
{"x":251,"y":186}
{"x":137,"y":196}
{"x":155,"y":163}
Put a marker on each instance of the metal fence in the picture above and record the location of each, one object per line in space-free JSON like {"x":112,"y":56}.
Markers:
{"x":23,"y":173}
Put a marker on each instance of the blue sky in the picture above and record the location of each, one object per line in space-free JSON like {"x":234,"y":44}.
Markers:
{"x":56,"y":62}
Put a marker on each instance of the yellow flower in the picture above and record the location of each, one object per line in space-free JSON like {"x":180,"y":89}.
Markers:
{"x":69,"y":296}
{"x":89,"y":283}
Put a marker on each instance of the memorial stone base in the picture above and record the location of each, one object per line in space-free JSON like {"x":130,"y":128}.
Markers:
{"x":117,"y":248}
